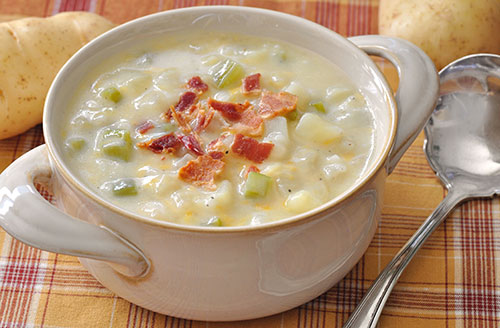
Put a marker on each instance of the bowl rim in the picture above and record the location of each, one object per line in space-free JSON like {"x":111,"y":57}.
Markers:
{"x":301,"y":218}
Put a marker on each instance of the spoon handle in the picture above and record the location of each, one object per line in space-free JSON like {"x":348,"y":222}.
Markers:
{"x":368,"y":311}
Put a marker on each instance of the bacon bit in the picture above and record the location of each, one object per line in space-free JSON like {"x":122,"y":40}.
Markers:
{"x":230,"y":111}
{"x":179,"y":118}
{"x":251,"y":124}
{"x":251,"y":149}
{"x":217,"y":145}
{"x":203,"y":120}
{"x":145,"y":127}
{"x":202,"y":171}
{"x":186,"y":101}
{"x":216,"y":154}
{"x":196,"y":84}
{"x":192,"y":144}
{"x":168,"y":143}
{"x":251,"y":168}
{"x":272,"y":104}
{"x":251,"y":84}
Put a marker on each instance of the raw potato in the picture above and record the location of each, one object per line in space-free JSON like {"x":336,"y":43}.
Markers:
{"x":445,"y":29}
{"x":33,"y":50}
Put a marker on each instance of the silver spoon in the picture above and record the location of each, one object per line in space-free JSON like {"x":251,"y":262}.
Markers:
{"x":462,"y":146}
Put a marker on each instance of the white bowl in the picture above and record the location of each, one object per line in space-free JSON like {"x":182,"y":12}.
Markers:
{"x":228,"y":273}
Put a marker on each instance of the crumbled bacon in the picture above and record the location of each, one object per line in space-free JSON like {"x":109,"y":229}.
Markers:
{"x":229,"y":110}
{"x":251,"y":149}
{"x":216,"y":154}
{"x":181,"y":121}
{"x":272,"y":104}
{"x":202,"y":171}
{"x":192,"y":144}
{"x":202,"y":119}
{"x":165,"y":144}
{"x":218,"y":145}
{"x":250,"y":124}
{"x":196,"y":84}
{"x":186,"y":101}
{"x":251,"y":168}
{"x":251,"y":84}
{"x":145,"y":127}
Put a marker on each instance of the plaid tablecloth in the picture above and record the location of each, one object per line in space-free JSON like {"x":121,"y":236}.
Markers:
{"x":452,"y":282}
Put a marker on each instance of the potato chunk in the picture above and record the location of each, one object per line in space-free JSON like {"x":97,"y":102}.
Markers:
{"x":314,"y":129}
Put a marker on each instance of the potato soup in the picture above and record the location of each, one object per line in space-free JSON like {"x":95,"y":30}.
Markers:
{"x":218,"y":130}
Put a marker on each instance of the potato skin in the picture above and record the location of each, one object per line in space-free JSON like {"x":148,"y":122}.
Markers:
{"x":33,"y":50}
{"x":445,"y":29}
{"x":7,"y":18}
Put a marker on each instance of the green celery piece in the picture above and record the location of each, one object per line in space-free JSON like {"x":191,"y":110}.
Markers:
{"x":214,"y":222}
{"x":257,"y":185}
{"x":319,"y":107}
{"x":112,"y":94}
{"x":226,"y":72}
{"x":124,"y":187}
{"x":76,"y":143}
{"x":117,"y":143}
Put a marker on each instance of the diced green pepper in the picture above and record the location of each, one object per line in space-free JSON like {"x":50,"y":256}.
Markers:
{"x":226,"y":72}
{"x":112,"y":94}
{"x":292,"y":116}
{"x":117,"y":143}
{"x":214,"y":222}
{"x":124,"y":187}
{"x":257,"y":185}
{"x":319,"y":107}
{"x":76,"y":143}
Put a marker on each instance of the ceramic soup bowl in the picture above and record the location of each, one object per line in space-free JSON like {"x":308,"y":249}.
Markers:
{"x":228,"y":273}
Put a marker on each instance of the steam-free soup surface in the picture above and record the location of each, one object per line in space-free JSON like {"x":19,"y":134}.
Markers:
{"x":218,"y":130}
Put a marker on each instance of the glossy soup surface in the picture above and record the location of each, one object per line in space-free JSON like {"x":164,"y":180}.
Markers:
{"x":218,"y":130}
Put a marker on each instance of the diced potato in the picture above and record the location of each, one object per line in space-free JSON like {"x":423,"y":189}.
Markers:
{"x":314,"y":129}
{"x":335,"y":166}
{"x":337,"y":95}
{"x":301,"y":201}
{"x":305,"y":157}
{"x":167,"y":80}
{"x":296,"y":88}
{"x":223,"y":196}
{"x":277,"y":134}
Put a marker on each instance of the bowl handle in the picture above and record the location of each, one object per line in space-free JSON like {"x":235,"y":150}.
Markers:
{"x":418,"y":87}
{"x":31,"y":219}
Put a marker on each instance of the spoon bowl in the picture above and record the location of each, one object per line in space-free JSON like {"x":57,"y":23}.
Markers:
{"x":462,"y":148}
{"x":462,"y":134}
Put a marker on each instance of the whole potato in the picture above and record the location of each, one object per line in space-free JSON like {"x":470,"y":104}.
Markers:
{"x":32,"y":52}
{"x":444,"y":29}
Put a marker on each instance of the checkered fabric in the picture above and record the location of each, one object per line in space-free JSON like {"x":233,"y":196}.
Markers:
{"x":452,"y":281}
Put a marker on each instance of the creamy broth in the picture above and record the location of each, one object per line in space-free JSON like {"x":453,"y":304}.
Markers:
{"x":218,"y":130}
